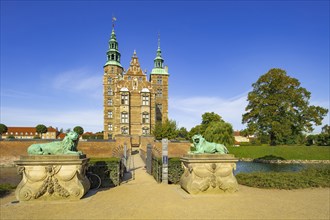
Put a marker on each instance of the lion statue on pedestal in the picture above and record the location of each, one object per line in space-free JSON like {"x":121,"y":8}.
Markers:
{"x":67,"y":146}
{"x":203,"y":146}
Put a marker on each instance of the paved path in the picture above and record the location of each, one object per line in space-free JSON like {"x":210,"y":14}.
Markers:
{"x":143,"y":198}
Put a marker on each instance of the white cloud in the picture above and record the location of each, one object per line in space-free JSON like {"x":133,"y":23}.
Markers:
{"x":79,"y":81}
{"x":188,"y":111}
{"x":90,"y":120}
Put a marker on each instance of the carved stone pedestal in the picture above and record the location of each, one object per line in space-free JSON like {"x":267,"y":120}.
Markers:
{"x":52,"y":177}
{"x":209,"y":173}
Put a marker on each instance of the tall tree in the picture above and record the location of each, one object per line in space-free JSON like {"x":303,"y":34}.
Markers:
{"x":3,"y":129}
{"x":220,"y":132}
{"x":167,"y":129}
{"x":214,"y":129}
{"x":41,"y":129}
{"x":79,"y":130}
{"x":279,"y":107}
{"x":183,"y":133}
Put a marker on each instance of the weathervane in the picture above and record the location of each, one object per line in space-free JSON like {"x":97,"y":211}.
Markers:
{"x":113,"y":21}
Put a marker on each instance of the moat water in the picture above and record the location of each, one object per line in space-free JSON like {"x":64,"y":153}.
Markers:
{"x":249,"y":167}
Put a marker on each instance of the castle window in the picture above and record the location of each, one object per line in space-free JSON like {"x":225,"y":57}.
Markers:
{"x":159,"y":80}
{"x":110,"y":91}
{"x":124,"y":117}
{"x":124,"y":130}
{"x":145,"y":99}
{"x":159,"y":93}
{"x":145,"y":131}
{"x":124,"y":99}
{"x":109,"y":102}
{"x":159,"y":112}
{"x":112,"y":57}
{"x":112,"y":70}
{"x":145,"y":117}
{"x":109,"y":127}
{"x":109,"y":114}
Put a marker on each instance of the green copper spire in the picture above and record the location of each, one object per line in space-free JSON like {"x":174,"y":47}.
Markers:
{"x":113,"y":54}
{"x":158,"y":61}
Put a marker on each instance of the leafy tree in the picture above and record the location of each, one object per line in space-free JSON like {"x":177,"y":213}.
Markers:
{"x":325,"y":129}
{"x":220,"y":132}
{"x":195,"y":130}
{"x":183,"y":133}
{"x":167,"y":129}
{"x":41,"y":129}
{"x":279,"y":107}
{"x":214,"y":129}
{"x":79,"y":130}
{"x":3,"y":129}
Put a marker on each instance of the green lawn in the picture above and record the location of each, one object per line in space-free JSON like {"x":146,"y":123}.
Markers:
{"x":286,"y":152}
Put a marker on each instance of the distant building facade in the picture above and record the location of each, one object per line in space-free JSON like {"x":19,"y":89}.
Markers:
{"x":132,"y":102}
{"x":29,"y":133}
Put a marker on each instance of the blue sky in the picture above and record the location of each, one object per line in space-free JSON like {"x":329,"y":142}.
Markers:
{"x":53,"y":52}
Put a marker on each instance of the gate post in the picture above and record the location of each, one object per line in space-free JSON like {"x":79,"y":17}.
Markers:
{"x":125,"y":157}
{"x":165,"y":161}
{"x":149,"y":159}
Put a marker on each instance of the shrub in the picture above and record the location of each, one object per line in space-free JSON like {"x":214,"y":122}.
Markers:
{"x":314,"y":176}
{"x":108,"y":169}
{"x":175,"y":170}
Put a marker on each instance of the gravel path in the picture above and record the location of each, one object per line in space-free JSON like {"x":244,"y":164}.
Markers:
{"x":143,"y":198}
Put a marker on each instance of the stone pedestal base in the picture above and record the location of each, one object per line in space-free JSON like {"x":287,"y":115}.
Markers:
{"x":209,"y":173}
{"x":52,"y":177}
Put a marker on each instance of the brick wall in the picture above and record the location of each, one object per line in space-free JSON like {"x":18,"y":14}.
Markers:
{"x":12,"y":150}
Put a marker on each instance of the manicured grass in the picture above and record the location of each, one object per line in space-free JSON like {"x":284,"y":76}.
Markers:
{"x":315,"y":176}
{"x":6,"y":189}
{"x":285,"y":152}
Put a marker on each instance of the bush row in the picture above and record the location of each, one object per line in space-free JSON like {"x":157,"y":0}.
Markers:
{"x":316,"y":176}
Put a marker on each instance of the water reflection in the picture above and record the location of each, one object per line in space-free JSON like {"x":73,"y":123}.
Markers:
{"x":249,"y":167}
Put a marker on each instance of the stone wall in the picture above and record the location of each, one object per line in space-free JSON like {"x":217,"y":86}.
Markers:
{"x":12,"y":150}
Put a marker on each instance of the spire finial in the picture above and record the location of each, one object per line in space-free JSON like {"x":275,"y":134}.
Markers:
{"x":158,"y":39}
{"x":113,"y":21}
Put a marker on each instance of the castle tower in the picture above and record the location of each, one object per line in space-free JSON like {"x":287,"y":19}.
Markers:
{"x":159,"y":81}
{"x":113,"y":72}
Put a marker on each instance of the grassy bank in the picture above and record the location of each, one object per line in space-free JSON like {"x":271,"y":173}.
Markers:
{"x":285,"y":152}
{"x":315,"y":176}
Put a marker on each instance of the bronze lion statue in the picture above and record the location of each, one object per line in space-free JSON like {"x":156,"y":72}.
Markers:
{"x":67,"y":146}
{"x":203,"y":146}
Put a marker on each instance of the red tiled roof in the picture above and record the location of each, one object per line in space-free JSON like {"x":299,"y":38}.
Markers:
{"x":27,"y":129}
{"x":61,"y":136}
{"x":237,"y":133}
{"x":21,"y":129}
